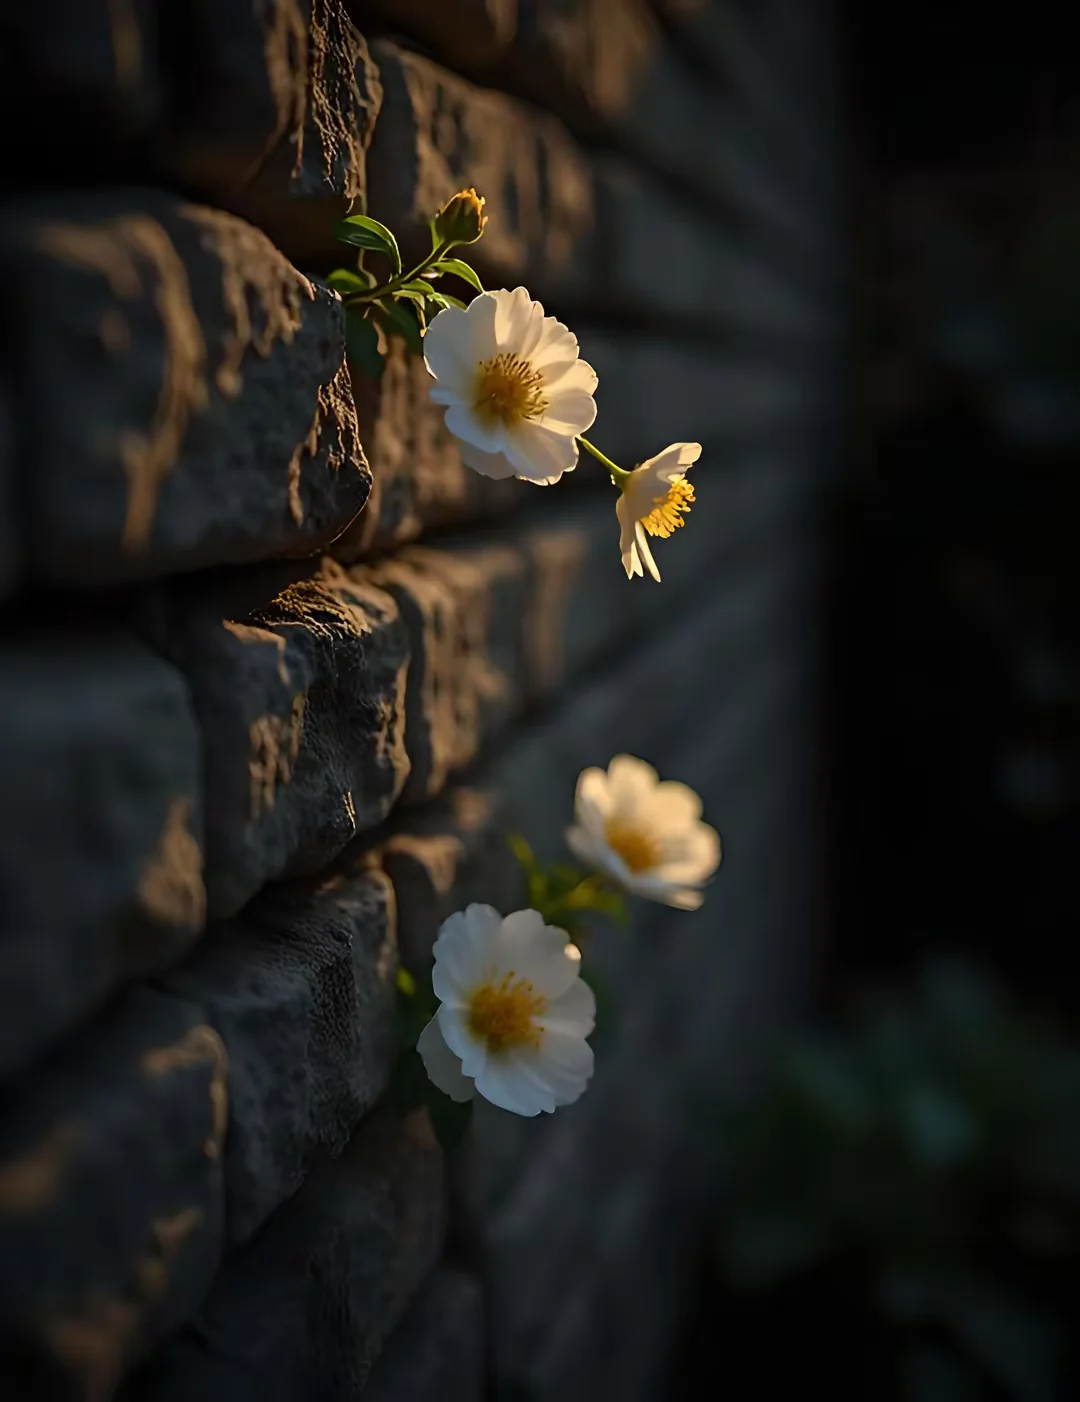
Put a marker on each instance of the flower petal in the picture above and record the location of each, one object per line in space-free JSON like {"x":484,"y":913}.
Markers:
{"x":496,"y":465}
{"x":561,"y":375}
{"x":483,"y":312}
{"x":627,"y":547}
{"x":537,"y":952}
{"x":464,"y":950}
{"x":465,"y":426}
{"x":592,"y":797}
{"x":454,"y":1026}
{"x":446,"y":350}
{"x":514,"y":316}
{"x":538,"y":454}
{"x":676,"y":805}
{"x":632,"y":782}
{"x":562,"y":1068}
{"x":573,"y":1015}
{"x":506,"y":1084}
{"x":675,"y":458}
{"x":680,"y":897}
{"x":699,"y":857}
{"x":640,"y":541}
{"x":442,"y":1066}
{"x":569,"y":411}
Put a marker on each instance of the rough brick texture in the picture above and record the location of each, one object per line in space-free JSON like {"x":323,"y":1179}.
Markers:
{"x":100,"y":827}
{"x":436,"y":1354}
{"x":110,"y":1198}
{"x":207,"y":412}
{"x":440,"y":133}
{"x":300,"y":1314}
{"x":297,"y":678}
{"x":278,"y":675}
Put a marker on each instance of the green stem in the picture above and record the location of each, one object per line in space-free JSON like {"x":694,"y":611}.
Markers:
{"x":618,"y":474}
{"x":374,"y":293}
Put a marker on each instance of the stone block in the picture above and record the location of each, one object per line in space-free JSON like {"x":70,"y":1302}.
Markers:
{"x":207,"y":412}
{"x":441,"y":857}
{"x":110,"y":1198}
{"x":419,"y":481}
{"x":468,"y":37}
{"x":587,"y":60}
{"x":301,"y":1312}
{"x":438,"y":133}
{"x":717,"y":400}
{"x":657,"y":258}
{"x":297,"y":677}
{"x":300,"y":988}
{"x":101,"y":860}
{"x":436,"y":1353}
{"x":93,"y":63}
{"x":464,"y":610}
{"x":278,"y":103}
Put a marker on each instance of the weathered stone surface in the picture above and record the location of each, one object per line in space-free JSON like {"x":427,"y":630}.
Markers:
{"x":657,"y":258}
{"x":300,"y":1313}
{"x":587,"y":60}
{"x":278,"y":104}
{"x":92,"y":62}
{"x":436,"y":1354}
{"x":300,"y":987}
{"x":706,"y":398}
{"x":465,"y":611}
{"x":207,"y":413}
{"x":297,"y":676}
{"x":720,"y":700}
{"x":110,"y":1198}
{"x":441,"y":857}
{"x":100,"y":827}
{"x":418,"y":478}
{"x":438,"y":133}
{"x":469,"y":35}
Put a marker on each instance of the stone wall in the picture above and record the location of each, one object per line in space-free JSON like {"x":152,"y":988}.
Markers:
{"x":278,"y":673}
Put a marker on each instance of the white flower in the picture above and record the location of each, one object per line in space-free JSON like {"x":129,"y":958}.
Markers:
{"x":515,"y":390}
{"x":514,"y":1012}
{"x":654,"y":498}
{"x":646,"y":835}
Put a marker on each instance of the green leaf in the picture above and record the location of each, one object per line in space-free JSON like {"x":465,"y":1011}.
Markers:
{"x":362,"y":232}
{"x":349,"y":281}
{"x":522,"y":851}
{"x":406,"y":983}
{"x":443,"y":299}
{"x":396,"y":317}
{"x":362,"y":345}
{"x":460,"y":269}
{"x":417,"y":285}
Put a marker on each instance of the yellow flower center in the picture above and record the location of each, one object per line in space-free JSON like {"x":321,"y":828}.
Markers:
{"x":501,"y":1014}
{"x":507,"y":390}
{"x":668,"y":510}
{"x":638,"y":849}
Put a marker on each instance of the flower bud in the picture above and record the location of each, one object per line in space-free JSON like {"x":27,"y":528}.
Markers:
{"x":461,"y":219}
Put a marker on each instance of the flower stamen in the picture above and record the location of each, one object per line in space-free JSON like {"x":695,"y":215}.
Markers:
{"x":640,"y":850}
{"x":508,"y":390}
{"x":667,"y":514}
{"x":502,"y":1014}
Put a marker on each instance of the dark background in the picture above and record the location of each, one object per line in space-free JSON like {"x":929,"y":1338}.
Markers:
{"x":956,"y":646}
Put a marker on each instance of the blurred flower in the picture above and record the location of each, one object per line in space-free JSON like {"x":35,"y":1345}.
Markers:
{"x":654,"y":498}
{"x":461,"y":219}
{"x":516,"y":393}
{"x":513,"y":1015}
{"x":646,"y":835}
